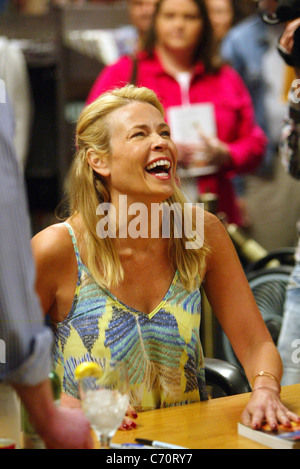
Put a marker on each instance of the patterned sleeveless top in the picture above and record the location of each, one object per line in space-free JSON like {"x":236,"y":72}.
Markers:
{"x":162,"y":350}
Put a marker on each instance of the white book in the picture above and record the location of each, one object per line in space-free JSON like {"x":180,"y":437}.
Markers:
{"x":284,"y":438}
{"x":187,"y":123}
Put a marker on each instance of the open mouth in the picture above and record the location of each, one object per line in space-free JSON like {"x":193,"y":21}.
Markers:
{"x":160,"y":168}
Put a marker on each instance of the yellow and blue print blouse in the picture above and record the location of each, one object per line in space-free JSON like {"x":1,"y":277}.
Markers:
{"x":162,"y":350}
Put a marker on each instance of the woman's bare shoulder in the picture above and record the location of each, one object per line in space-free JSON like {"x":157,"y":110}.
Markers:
{"x":52,"y":242}
{"x":55,"y":263}
{"x":52,"y":234}
{"x":211,"y":223}
{"x":216,"y":235}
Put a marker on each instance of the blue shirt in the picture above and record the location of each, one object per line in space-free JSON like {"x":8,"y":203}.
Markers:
{"x":244,"y":47}
{"x":25,"y":342}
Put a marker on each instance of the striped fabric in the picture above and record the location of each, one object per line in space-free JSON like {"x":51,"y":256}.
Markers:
{"x":27,"y":341}
{"x":162,"y":350}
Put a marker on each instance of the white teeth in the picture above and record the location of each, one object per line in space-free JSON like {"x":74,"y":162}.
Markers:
{"x":165,"y":163}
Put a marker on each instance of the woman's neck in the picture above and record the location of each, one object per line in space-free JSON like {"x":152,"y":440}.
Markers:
{"x":135,"y":226}
{"x":175,"y":62}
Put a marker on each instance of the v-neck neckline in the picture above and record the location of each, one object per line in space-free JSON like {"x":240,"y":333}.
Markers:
{"x":156,"y":309}
{"x":110,"y":294}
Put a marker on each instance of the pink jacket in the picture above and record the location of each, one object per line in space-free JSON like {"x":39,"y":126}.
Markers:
{"x":233,"y":110}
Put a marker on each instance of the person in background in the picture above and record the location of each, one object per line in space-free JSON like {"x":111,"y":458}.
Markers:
{"x":28,"y":342}
{"x":267,"y":196}
{"x":141,"y":14}
{"x":181,"y":66}
{"x":127,"y":39}
{"x":94,"y":272}
{"x":289,"y":338}
{"x":224,"y":14}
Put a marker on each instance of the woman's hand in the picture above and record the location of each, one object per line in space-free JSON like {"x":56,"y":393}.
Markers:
{"x":287,"y":40}
{"x":212,"y":151}
{"x":128,"y":423}
{"x":265,"y":406}
{"x":216,"y":152}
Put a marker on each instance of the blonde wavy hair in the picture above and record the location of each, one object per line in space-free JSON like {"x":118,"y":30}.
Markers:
{"x":86,"y":190}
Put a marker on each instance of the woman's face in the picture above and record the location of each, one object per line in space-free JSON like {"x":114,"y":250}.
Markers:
{"x":221,"y":15}
{"x":178,"y":25}
{"x":143,"y":159}
{"x":141,"y":13}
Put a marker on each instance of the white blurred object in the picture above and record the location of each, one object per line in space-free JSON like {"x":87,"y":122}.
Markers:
{"x":104,"y":45}
{"x":105,"y":409}
{"x":187,"y":123}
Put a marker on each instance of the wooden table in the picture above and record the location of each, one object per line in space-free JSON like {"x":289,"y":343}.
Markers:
{"x":210,"y":425}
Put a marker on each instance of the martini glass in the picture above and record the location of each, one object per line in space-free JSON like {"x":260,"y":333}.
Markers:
{"x":105,"y":400}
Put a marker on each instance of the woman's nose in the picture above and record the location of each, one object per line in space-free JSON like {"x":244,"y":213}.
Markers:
{"x":159,"y":144}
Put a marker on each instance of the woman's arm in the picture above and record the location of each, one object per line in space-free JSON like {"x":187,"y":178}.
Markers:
{"x":232,"y":301}
{"x":241,"y":143}
{"x":56,"y":270}
{"x":56,"y":277}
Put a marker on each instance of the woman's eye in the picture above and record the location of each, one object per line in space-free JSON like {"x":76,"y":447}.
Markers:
{"x":138,"y":134}
{"x":168,"y":16}
{"x":166,"y":133}
{"x":191,"y":17}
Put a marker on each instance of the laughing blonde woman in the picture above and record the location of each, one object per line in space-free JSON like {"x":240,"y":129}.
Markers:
{"x":124,"y":294}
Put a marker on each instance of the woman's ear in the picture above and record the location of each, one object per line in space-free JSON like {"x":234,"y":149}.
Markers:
{"x":98,"y":163}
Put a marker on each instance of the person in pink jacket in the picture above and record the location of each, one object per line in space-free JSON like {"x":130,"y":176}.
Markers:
{"x":180,"y":65}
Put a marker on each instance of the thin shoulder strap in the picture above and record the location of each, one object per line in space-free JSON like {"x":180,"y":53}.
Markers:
{"x":74,"y":241}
